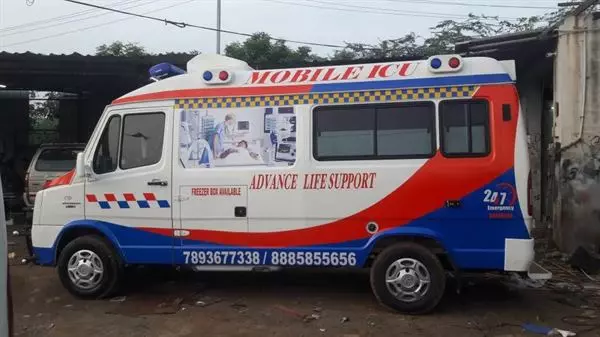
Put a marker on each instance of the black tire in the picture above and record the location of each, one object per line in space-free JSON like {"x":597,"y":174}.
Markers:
{"x":110,"y":280}
{"x":433,"y":295}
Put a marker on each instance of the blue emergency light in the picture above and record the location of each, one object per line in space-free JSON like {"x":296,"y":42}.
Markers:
{"x":164,"y":70}
{"x":435,"y":63}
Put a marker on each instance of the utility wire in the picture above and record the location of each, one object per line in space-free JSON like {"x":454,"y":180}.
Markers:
{"x":62,"y":17}
{"x":90,"y":27}
{"x":375,"y":10}
{"x":473,"y":5}
{"x":63,"y":22}
{"x":182,"y":24}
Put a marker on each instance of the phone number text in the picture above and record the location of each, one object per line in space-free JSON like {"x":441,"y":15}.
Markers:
{"x":278,"y":258}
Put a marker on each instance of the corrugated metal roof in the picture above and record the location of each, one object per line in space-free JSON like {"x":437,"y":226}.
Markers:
{"x":166,"y":57}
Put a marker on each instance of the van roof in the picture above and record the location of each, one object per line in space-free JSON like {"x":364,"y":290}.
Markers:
{"x":204,"y":73}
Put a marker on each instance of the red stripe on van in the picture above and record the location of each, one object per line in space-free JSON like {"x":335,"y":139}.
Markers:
{"x":438,"y":180}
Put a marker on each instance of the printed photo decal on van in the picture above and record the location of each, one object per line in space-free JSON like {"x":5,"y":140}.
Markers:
{"x":237,"y":137}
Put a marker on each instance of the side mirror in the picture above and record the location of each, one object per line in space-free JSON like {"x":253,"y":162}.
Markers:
{"x":82,"y":170}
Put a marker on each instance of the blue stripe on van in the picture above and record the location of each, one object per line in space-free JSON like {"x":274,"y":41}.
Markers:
{"x":414,"y":83}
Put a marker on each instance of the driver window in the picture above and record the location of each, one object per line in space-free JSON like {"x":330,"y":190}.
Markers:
{"x":142,"y":139}
{"x":105,"y":157}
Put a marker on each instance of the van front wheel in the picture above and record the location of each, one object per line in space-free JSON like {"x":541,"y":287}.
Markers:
{"x":89,"y":267}
{"x":409,"y":278}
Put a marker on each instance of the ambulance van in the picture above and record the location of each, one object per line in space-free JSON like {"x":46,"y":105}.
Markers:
{"x":413,"y":169}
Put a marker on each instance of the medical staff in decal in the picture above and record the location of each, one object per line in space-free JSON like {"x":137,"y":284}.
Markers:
{"x":222,"y":130}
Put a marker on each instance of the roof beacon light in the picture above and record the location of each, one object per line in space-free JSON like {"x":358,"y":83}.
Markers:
{"x":217,"y":76}
{"x":454,"y":62}
{"x":435,"y":63}
{"x":207,"y":76}
{"x":223,"y":75}
{"x":445,"y":63}
{"x":164,"y":70}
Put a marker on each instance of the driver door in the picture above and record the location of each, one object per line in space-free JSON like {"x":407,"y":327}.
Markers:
{"x":129,"y":190}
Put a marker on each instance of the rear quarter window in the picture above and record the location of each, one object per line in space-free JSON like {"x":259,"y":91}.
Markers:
{"x":57,"y":160}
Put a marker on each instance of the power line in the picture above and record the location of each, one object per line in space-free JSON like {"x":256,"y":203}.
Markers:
{"x":375,"y":10}
{"x":62,"y":17}
{"x":166,"y":21}
{"x":90,"y":27}
{"x":182,"y":24}
{"x":63,"y":22}
{"x":473,"y":5}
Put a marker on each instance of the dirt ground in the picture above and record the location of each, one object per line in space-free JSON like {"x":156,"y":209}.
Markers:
{"x":164,"y":302}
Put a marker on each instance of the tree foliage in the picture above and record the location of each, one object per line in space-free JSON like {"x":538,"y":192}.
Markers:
{"x":443,"y":37}
{"x":119,"y":48}
{"x":261,"y":51}
{"x":43,"y":106}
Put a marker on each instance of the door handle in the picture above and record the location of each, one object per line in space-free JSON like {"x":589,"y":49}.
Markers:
{"x":453,"y":203}
{"x":240,"y":212}
{"x":156,"y":182}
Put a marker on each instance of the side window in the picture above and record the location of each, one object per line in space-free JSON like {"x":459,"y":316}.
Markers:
{"x":344,"y":132}
{"x":376,"y":131}
{"x":142,"y":139}
{"x":406,"y":130}
{"x":106,"y":154}
{"x":465,"y":128}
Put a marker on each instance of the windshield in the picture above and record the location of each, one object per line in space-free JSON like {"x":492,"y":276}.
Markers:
{"x":57,"y":159}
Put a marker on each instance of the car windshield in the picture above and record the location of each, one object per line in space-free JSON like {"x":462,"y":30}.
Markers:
{"x":57,"y":159}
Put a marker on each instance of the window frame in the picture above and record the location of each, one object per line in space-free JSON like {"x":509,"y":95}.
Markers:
{"x":375,"y":107}
{"x":487,"y":131}
{"x":106,"y":125}
{"x":37,"y":160}
{"x":122,"y":132}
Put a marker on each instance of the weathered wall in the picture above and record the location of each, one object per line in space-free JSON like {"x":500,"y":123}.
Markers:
{"x":577,"y":91}
{"x":530,"y":91}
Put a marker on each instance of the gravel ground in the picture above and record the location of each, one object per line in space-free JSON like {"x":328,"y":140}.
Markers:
{"x":164,"y":302}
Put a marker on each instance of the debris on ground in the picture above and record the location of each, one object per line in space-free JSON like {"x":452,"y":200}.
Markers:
{"x":169,"y":308}
{"x":585,"y":259}
{"x":118,"y":299}
{"x":322,"y":330}
{"x":547,"y":331}
{"x":12,"y":255}
{"x":240,"y":307}
{"x":304,"y":317}
{"x":312,"y":317}
{"x":345,"y":319}
{"x":566,"y":286}
{"x":144,"y":307}
{"x":205,"y":301}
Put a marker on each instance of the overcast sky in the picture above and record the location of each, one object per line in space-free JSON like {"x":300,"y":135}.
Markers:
{"x":56,"y":26}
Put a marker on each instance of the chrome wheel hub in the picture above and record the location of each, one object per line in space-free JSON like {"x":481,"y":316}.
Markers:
{"x":85,"y":269}
{"x":407,"y":279}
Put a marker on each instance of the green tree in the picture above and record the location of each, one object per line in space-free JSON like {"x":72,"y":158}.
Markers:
{"x":119,"y":48}
{"x":444,"y":36}
{"x":43,"y":116}
{"x":261,"y":51}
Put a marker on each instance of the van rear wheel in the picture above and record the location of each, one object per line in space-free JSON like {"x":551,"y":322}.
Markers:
{"x":409,"y":278}
{"x":89,"y":267}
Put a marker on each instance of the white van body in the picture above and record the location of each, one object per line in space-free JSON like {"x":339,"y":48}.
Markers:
{"x":330,"y":166}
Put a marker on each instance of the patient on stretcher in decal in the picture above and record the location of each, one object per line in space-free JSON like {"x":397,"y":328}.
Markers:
{"x":240,"y":147}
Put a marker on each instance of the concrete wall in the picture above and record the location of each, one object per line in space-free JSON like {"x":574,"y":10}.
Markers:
{"x":577,"y":94}
{"x":530,"y":91}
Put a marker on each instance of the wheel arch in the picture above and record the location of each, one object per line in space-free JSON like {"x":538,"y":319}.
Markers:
{"x":423,"y":236}
{"x":81,"y":228}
